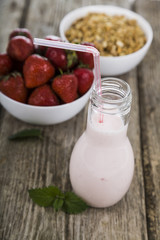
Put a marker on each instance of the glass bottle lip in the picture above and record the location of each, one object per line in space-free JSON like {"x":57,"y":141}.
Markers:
{"x":122,"y":87}
{"x":114,"y":96}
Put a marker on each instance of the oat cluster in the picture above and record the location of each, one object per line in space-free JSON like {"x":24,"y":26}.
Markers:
{"x":112,"y":35}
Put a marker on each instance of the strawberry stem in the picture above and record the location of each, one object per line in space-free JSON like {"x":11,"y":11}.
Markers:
{"x":61,"y":71}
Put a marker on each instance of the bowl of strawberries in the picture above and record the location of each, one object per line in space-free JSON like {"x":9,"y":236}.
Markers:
{"x":42,"y":85}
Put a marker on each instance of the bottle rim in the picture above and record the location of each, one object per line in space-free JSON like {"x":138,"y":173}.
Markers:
{"x":121,"y":86}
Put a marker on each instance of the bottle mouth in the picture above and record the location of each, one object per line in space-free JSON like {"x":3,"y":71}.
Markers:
{"x":114,"y":94}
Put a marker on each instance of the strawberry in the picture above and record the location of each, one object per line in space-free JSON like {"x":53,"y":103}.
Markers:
{"x":37,"y":71}
{"x":61,"y":58}
{"x":53,"y":37}
{"x":21,"y":32}
{"x":43,"y":96}
{"x":13,"y":86}
{"x":48,"y":37}
{"x":85,"y":79}
{"x":57,"y":57}
{"x":65,"y":86}
{"x":86,"y":58}
{"x":19,"y":48}
{"x":6,"y":64}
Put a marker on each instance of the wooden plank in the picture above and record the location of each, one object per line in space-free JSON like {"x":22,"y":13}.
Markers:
{"x":35,"y":163}
{"x":148,"y":78}
{"x":10,"y":17}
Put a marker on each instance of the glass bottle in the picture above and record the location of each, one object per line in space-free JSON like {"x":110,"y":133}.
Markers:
{"x":102,"y":161}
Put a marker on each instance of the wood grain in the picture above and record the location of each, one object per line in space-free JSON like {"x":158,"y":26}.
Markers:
{"x":36,"y":163}
{"x":10,"y":17}
{"x":148,"y":78}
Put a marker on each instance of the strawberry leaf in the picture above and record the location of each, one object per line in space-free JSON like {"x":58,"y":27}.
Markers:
{"x":71,"y":58}
{"x":61,"y":71}
{"x":15,"y":74}
{"x":82,"y":65}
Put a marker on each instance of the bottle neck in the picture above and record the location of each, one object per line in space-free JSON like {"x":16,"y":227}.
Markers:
{"x":110,"y":106}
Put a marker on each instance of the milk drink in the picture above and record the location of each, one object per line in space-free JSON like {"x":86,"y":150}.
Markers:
{"x":102,"y":161}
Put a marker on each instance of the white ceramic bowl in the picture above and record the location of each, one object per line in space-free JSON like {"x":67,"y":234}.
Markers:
{"x":112,"y":66}
{"x":43,"y":115}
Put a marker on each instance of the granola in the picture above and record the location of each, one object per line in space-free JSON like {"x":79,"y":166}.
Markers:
{"x":112,"y":35}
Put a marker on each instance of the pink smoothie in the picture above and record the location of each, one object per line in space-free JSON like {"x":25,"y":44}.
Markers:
{"x":102,"y":162}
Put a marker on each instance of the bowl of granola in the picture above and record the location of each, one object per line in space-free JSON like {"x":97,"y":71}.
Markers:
{"x":122,"y":37}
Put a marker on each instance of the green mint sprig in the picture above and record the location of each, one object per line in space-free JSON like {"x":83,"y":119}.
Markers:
{"x":26,"y":133}
{"x":52,"y":196}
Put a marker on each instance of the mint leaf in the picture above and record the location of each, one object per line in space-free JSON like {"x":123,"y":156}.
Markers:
{"x":52,"y":196}
{"x":44,"y":196}
{"x":73,"y":204}
{"x":26,"y":133}
{"x":58,"y":203}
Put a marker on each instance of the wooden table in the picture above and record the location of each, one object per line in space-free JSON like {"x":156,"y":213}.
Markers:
{"x":37,"y":163}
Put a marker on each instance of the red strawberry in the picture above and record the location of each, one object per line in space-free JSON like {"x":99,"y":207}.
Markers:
{"x":6,"y":64}
{"x":86,"y":58}
{"x":65,"y":87}
{"x":62,"y":59}
{"x":21,"y":32}
{"x":48,"y":37}
{"x":43,"y":96}
{"x":85,"y":79}
{"x":37,"y":71}
{"x":53,"y":37}
{"x":13,"y":86}
{"x":58,"y":57}
{"x":19,"y":48}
